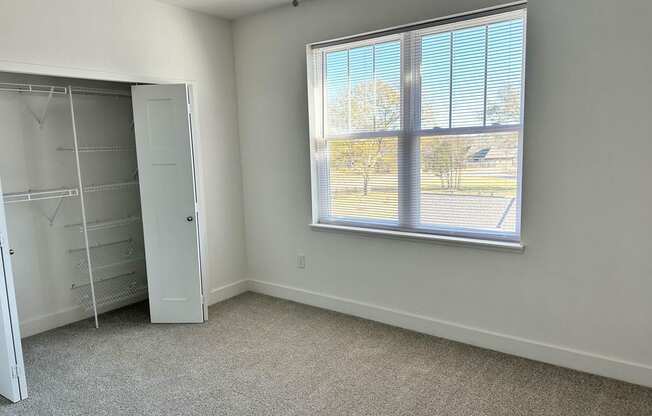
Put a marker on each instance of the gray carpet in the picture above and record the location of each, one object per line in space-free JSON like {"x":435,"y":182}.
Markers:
{"x":264,"y":356}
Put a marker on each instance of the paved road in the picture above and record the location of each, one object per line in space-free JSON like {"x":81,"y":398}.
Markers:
{"x":488,"y":212}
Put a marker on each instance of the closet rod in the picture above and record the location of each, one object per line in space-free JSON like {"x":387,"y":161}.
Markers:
{"x":32,"y":88}
{"x":100,"y":91}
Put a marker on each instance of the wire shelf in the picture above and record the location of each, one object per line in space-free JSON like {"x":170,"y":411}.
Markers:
{"x":98,"y":149}
{"x":30,"y":195}
{"x":14,"y":197}
{"x":103,"y":245}
{"x":32,"y":88}
{"x":132,"y":260}
{"x":106,"y":224}
{"x":111,"y":290}
{"x":110,"y":186}
{"x":100,"y":91}
{"x":83,"y":266}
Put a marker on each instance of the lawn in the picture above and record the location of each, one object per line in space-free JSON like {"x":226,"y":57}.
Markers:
{"x":381,"y":201}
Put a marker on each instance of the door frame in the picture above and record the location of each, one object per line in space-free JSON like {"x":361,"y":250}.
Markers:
{"x":194,"y":86}
{"x":7,"y":270}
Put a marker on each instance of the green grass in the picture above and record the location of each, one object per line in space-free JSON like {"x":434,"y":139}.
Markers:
{"x":469,"y":184}
{"x":473,"y":185}
{"x":376,"y":205}
{"x":381,"y":202}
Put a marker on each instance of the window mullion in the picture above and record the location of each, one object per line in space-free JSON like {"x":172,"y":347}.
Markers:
{"x":348,"y":80}
{"x":408,"y":152}
{"x":450,"y":82}
{"x":486,"y":80}
{"x":321,"y":186}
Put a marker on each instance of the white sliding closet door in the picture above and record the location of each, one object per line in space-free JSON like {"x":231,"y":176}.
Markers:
{"x":167,"y":189}
{"x":12,"y":372}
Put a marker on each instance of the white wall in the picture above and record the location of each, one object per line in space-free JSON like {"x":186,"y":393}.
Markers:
{"x":120,"y":39}
{"x":580,"y":294}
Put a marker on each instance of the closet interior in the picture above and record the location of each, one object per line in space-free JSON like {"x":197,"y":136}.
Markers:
{"x":99,"y":207}
{"x":69,"y":173}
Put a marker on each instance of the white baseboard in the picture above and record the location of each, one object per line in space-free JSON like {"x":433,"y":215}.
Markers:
{"x":553,"y":354}
{"x":227,"y":291}
{"x":73,"y":314}
{"x":53,"y":320}
{"x":67,"y":316}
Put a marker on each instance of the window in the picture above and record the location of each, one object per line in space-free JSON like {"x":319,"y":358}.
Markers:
{"x":420,"y":129}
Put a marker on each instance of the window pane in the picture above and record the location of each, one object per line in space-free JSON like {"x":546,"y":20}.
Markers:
{"x":363,"y":89}
{"x":363,"y":179}
{"x":483,"y":57}
{"x":387,"y":73}
{"x":468,"y":77}
{"x":361,"y":78}
{"x":504,"y":71}
{"x":470,"y":182}
{"x":337,"y":92}
{"x":435,"y":80}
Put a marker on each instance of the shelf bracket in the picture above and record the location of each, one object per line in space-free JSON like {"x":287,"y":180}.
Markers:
{"x":52,"y":217}
{"x":40,"y":119}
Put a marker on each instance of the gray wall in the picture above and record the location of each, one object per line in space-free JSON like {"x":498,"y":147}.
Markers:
{"x":580,"y":294}
{"x":145,"y":39}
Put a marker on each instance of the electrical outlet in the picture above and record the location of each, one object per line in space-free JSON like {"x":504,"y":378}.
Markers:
{"x":301,"y":261}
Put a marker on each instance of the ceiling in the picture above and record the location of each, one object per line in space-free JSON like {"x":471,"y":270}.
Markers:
{"x":229,"y":9}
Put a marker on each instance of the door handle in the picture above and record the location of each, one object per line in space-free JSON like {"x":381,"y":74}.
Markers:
{"x":12,"y":251}
{"x":189,"y":218}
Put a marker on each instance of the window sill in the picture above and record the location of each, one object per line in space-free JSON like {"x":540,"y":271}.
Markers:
{"x":458,"y":241}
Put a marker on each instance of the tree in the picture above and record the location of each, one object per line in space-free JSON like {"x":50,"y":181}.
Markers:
{"x":506,"y":108}
{"x":371,"y":106}
{"x":364,"y":157}
{"x":446,"y":158}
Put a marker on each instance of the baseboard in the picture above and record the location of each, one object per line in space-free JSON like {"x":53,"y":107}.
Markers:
{"x":632,"y":372}
{"x":53,"y":320}
{"x":67,"y":316}
{"x":73,"y":314}
{"x":227,"y":291}
{"x":553,"y":354}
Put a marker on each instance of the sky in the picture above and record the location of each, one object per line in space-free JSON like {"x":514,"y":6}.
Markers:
{"x":457,"y":69}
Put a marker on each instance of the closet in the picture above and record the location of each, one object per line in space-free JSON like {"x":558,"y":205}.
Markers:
{"x":99,"y":206}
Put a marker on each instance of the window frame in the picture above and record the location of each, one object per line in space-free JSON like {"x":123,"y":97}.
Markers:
{"x":409,"y":223}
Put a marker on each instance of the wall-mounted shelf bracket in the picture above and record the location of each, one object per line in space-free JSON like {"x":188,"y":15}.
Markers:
{"x":53,"y":217}
{"x":40,"y":118}
{"x":59,"y":194}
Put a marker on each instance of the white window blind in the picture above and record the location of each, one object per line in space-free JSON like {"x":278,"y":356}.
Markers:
{"x":420,"y":129}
